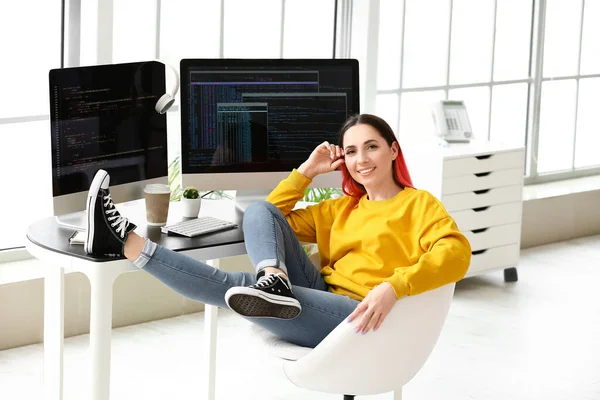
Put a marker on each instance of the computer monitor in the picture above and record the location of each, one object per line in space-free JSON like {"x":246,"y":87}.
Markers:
{"x":104,"y":117}
{"x":246,"y":123}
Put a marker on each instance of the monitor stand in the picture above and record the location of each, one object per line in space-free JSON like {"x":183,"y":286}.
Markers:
{"x":76,"y":221}
{"x":243,"y":198}
{"x":134,"y":210}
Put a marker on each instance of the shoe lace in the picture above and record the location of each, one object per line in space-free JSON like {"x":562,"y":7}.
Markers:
{"x":268,"y":280}
{"x":113,"y":215}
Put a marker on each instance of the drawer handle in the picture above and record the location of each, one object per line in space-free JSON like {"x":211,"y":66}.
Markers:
{"x":485,"y":157}
{"x":479,"y":175}
{"x":484,"y":191}
{"x":479,"y":209}
{"x":479,"y":230}
{"x":477,"y":252}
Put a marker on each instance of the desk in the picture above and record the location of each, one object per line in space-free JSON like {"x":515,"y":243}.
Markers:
{"x":48,"y":242}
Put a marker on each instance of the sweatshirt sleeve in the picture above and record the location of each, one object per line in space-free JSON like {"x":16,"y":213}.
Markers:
{"x":446,"y":258}
{"x":286,"y":195}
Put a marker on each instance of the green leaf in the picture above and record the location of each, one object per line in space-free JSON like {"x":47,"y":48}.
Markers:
{"x":317,"y":195}
{"x":174,"y":181}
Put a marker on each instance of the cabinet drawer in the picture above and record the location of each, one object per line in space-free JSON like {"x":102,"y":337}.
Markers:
{"x":482,"y":198}
{"x":483,"y":163}
{"x":494,"y":236}
{"x":497,"y":257}
{"x":485,"y":217}
{"x":481,"y":181}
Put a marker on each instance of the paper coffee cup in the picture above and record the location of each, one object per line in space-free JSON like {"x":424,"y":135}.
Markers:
{"x":157,"y":204}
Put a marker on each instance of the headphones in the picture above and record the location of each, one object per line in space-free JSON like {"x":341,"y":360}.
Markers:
{"x":167,"y":99}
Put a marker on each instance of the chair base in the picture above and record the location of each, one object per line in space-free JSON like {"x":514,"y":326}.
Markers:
{"x":397,"y":395}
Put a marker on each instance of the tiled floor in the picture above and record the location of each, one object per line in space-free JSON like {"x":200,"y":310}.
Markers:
{"x":536,"y":339}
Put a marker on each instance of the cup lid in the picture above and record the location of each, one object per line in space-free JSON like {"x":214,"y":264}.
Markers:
{"x":157,"y":188}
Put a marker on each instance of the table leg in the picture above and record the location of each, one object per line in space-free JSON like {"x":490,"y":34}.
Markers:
{"x":101,"y":284}
{"x":54,"y":333}
{"x":210,"y":333}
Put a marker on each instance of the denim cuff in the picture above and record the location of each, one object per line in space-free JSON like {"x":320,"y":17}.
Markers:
{"x":271,"y":263}
{"x":146,"y":254}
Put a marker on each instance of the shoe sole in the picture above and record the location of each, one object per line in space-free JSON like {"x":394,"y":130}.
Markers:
{"x":90,"y":209}
{"x":258,"y":304}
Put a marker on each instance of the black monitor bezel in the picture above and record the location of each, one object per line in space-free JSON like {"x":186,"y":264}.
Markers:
{"x":58,"y":76}
{"x":186,"y":64}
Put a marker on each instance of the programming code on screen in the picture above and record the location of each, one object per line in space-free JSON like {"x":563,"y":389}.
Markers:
{"x":104,"y":117}
{"x":257,"y":119}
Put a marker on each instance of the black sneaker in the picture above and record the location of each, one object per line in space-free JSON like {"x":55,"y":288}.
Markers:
{"x":270,"y":297}
{"x":107,"y":230}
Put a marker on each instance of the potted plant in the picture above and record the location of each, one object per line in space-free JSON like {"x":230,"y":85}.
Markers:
{"x":191,"y":202}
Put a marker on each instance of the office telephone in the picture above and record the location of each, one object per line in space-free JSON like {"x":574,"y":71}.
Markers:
{"x":452,"y":121}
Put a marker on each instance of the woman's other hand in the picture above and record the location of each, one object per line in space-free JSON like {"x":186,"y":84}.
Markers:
{"x":374,"y":308}
{"x":325,"y":158}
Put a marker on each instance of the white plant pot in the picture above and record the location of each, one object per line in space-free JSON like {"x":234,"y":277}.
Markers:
{"x":191,"y":207}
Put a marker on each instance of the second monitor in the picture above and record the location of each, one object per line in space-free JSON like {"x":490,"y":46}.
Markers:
{"x":104,"y":117}
{"x":245,"y":124}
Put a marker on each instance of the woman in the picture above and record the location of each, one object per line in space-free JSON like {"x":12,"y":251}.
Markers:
{"x":383,"y":241}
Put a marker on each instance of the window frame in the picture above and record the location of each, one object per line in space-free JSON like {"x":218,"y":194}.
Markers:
{"x":537,"y":66}
{"x":102,"y":43}
{"x":534,"y":82}
{"x":343,"y":15}
{"x":12,"y":254}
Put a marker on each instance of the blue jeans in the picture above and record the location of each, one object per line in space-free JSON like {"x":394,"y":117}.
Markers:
{"x":269,"y":241}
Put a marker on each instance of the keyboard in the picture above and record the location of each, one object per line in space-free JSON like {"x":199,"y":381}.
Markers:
{"x":198,"y":226}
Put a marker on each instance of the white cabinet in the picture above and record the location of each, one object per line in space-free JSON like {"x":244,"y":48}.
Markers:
{"x":481,"y":186}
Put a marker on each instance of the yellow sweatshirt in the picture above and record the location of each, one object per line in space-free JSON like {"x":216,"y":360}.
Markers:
{"x":409,"y":240}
